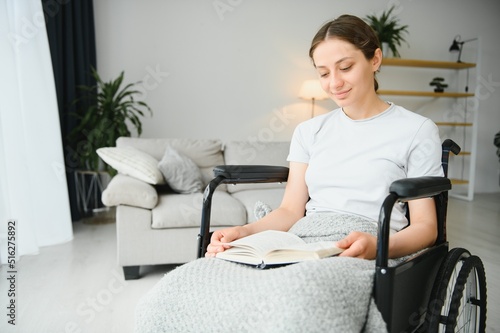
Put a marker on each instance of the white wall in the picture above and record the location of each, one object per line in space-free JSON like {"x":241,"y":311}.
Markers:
{"x":231,"y":69}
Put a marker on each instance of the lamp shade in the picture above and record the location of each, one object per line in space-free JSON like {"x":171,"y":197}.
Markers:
{"x":454,"y":46}
{"x":311,"y":89}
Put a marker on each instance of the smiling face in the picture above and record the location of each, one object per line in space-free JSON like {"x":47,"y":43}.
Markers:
{"x":345,"y":73}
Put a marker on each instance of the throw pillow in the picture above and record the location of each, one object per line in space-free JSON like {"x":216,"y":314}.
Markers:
{"x":132,"y":162}
{"x":180,"y":172}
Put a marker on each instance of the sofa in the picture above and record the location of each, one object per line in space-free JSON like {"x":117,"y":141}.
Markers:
{"x":158,"y":194}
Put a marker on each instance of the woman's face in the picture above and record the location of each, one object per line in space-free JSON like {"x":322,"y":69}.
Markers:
{"x":344,"y":72}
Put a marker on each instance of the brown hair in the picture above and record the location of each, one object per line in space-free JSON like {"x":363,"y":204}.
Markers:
{"x":351,"y":29}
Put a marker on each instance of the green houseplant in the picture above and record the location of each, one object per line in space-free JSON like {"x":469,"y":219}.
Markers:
{"x":388,"y":30}
{"x":110,"y":110}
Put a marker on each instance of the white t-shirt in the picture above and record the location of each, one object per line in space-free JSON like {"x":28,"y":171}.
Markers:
{"x":351,"y":163}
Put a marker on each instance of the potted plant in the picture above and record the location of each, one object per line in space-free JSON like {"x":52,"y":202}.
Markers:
{"x":111,"y":110}
{"x":438,"y":83}
{"x":389,"y":32}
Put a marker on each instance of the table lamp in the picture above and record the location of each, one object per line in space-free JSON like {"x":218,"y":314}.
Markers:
{"x":311,"y":89}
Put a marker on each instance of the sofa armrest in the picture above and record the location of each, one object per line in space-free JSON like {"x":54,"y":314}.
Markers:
{"x":126,"y":190}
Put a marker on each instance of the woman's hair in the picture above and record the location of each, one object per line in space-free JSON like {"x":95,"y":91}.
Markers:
{"x":351,"y":29}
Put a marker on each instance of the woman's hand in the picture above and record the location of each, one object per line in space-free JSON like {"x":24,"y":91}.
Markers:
{"x":221,"y":237}
{"x":359,"y":245}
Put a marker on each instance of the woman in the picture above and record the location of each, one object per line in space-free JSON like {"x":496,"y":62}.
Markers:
{"x":341,"y":165}
{"x":344,"y":162}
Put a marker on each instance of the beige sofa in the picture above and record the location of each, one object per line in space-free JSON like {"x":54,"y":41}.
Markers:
{"x":159,"y":225}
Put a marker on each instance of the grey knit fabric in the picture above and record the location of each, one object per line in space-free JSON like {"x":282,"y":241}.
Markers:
{"x":261,"y":209}
{"x":212,"y":295}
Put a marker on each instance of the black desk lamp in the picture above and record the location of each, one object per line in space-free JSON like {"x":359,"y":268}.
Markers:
{"x":458,"y":44}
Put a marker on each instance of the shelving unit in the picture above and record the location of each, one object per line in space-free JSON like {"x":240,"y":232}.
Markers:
{"x":465,"y":162}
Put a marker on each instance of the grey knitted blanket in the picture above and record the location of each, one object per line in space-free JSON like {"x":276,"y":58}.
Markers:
{"x":213,"y":295}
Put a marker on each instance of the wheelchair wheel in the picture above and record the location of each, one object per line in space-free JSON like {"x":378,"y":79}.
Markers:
{"x":458,"y":298}
{"x":468,"y":302}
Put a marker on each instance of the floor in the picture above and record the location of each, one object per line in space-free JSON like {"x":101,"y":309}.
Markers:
{"x":77,"y":286}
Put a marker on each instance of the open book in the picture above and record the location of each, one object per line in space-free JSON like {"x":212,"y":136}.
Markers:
{"x":273,"y":247}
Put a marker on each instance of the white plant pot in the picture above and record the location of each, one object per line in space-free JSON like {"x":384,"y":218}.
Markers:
{"x":386,"y":50}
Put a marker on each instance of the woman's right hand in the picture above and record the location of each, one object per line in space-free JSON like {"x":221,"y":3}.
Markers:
{"x":220,"y":238}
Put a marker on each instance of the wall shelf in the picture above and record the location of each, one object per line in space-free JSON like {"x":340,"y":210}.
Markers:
{"x":459,"y":181}
{"x":426,"y":63}
{"x":443,"y":123}
{"x":424,"y":93}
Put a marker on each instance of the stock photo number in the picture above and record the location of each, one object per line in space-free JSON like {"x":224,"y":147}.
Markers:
{"x":11,"y":272}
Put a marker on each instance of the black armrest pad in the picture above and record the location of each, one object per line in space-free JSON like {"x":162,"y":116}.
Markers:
{"x":421,"y":187}
{"x":252,"y":173}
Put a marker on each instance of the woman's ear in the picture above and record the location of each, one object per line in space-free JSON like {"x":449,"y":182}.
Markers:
{"x":377,"y":59}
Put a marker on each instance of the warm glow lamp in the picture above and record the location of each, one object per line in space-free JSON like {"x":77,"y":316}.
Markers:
{"x":311,"y":89}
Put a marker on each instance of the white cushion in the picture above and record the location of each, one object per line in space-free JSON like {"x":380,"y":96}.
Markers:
{"x":205,"y":153}
{"x":132,"y":162}
{"x":125,"y":190}
{"x":180,"y":172}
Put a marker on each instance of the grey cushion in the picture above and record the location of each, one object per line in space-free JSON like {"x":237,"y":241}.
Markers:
{"x":180,"y":172}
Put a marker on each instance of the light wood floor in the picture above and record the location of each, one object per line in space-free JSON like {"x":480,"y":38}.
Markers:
{"x":77,"y":287}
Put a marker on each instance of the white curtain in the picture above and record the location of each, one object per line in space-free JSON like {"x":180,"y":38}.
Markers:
{"x":33,"y":187}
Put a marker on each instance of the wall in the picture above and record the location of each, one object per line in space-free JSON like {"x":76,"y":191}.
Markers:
{"x":231,"y":69}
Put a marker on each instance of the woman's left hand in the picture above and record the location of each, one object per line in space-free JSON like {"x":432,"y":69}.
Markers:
{"x":359,"y":245}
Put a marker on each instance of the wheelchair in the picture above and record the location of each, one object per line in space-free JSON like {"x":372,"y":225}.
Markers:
{"x":436,"y":290}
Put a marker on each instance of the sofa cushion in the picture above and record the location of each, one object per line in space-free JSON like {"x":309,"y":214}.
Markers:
{"x":184,"y":210}
{"x":256,"y":153}
{"x":205,"y":153}
{"x":125,"y":190}
{"x":271,"y":197}
{"x":132,"y":162}
{"x":180,"y":172}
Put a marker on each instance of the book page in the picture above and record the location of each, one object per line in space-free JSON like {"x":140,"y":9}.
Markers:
{"x":303,"y":252}
{"x":266,"y":241}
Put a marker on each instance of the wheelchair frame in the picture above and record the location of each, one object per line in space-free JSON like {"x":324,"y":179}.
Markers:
{"x":437,"y":290}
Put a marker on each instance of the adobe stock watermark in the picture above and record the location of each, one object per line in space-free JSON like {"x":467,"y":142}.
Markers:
{"x":277,"y":124}
{"x":92,"y":305}
{"x":152,"y":80}
{"x":29,"y":28}
{"x":222,"y":7}
{"x":395,"y":4}
{"x":484,"y":90}
{"x":426,"y":149}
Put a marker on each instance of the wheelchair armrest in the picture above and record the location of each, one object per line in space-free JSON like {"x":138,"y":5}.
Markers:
{"x":234,"y":174}
{"x":251,"y":173}
{"x":404,"y":190}
{"x":421,"y":187}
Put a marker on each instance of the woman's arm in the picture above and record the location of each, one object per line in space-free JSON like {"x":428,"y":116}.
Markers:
{"x":291,"y":209}
{"x":421,"y":233}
